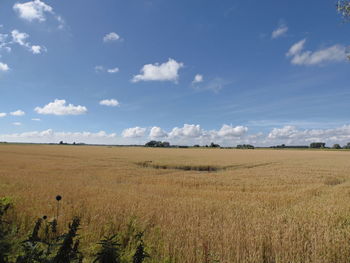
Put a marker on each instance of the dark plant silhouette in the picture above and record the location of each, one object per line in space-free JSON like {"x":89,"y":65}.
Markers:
{"x":5,"y":231}
{"x":140,"y":254}
{"x":58,"y":199}
{"x":68,"y":251}
{"x":109,"y":251}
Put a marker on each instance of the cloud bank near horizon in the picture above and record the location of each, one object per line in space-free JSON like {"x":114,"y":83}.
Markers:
{"x":190,"y":134}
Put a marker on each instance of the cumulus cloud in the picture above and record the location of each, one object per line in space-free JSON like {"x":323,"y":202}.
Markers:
{"x":157,"y":132}
{"x":113,"y":70}
{"x":17,"y":113}
{"x":33,"y":10}
{"x":37,"y":10}
{"x":20,"y":38}
{"x":111,"y":37}
{"x":36,"y":49}
{"x":291,"y":135}
{"x":197,"y":79}
{"x":279,"y":32}
{"x":36,"y":119}
{"x":3,"y":114}
{"x":229,"y":130}
{"x":188,"y":130}
{"x":190,"y":134}
{"x":167,"y":71}
{"x":51,"y":136}
{"x":59,"y":107}
{"x":110,"y":102}
{"x":135,"y":132}
{"x":335,"y":53}
{"x":4,"y":67}
{"x":16,"y":123}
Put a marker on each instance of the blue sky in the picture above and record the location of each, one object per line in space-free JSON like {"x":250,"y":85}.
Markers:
{"x":119,"y":72}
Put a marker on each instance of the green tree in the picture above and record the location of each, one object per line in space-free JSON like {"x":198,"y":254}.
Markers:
{"x":343,"y":7}
{"x":336,"y":146}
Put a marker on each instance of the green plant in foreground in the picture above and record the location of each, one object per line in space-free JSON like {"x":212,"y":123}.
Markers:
{"x":60,"y":249}
{"x":140,"y":254}
{"x":5,"y":231}
{"x":109,"y":251}
{"x":45,"y":245}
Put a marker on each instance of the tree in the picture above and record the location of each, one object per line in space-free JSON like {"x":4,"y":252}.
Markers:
{"x":317,"y":145}
{"x":213,"y":145}
{"x":157,"y":144}
{"x":347,"y":146}
{"x":343,"y":7}
{"x":336,"y":146}
{"x":245,"y":146}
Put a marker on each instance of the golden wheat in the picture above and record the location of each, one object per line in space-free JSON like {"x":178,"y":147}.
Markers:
{"x":259,"y":206}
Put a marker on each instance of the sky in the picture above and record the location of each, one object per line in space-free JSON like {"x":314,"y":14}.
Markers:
{"x":188,"y":72}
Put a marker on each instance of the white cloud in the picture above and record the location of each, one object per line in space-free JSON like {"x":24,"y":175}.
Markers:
{"x":135,"y":132}
{"x":36,"y":49}
{"x":110,"y":102}
{"x":296,"y":48}
{"x":293,"y":136}
{"x":110,"y":37}
{"x":191,"y":134}
{"x":33,"y":10}
{"x":214,"y":85}
{"x":20,"y":38}
{"x":3,"y":38}
{"x":279,"y":32}
{"x":113,"y":70}
{"x":37,"y":10}
{"x":335,"y":53}
{"x":51,"y":136}
{"x":167,"y":71}
{"x":17,"y":123}
{"x":197,"y":79}
{"x":17,"y":113}
{"x":228,"y":130}
{"x":3,"y":114}
{"x":188,"y":130}
{"x":157,"y":132}
{"x":99,"y":69}
{"x":283,"y":133}
{"x":4,"y":67}
{"x":4,"y":42}
{"x":36,"y":119}
{"x":59,"y":107}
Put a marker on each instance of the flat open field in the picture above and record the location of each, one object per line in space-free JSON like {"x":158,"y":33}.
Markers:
{"x":257,"y":206}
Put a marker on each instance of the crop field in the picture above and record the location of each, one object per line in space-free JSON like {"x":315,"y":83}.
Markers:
{"x":195,"y":205}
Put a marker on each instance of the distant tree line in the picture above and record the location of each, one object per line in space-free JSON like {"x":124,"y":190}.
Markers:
{"x":283,"y":146}
{"x":74,"y":143}
{"x":321,"y":145}
{"x":314,"y":145}
{"x":157,"y":144}
{"x":245,"y":146}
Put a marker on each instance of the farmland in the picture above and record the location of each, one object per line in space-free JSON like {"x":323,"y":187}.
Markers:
{"x":195,"y":205}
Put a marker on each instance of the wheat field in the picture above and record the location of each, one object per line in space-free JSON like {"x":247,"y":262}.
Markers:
{"x":251,"y":206}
